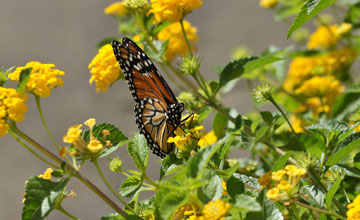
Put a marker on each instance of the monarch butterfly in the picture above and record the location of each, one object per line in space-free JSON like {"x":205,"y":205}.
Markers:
{"x":157,"y":111}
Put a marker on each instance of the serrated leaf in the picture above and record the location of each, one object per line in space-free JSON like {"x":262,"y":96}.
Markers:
{"x":219,"y":124}
{"x":130,"y":186}
{"x":253,"y":186}
{"x":138,"y":151}
{"x":280,"y":163}
{"x":269,"y":209}
{"x":309,"y":9}
{"x":41,"y":196}
{"x":169,"y":165}
{"x":23,"y":79}
{"x":235,"y":186}
{"x":227,"y":173}
{"x":160,"y":50}
{"x":246,"y":203}
{"x":344,"y":150}
{"x":233,"y":70}
{"x":212,"y":190}
{"x":313,"y":195}
{"x":330,"y":195}
{"x":197,"y":164}
{"x":168,"y":200}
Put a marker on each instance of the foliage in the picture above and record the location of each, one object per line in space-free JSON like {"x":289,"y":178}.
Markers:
{"x":304,"y":158}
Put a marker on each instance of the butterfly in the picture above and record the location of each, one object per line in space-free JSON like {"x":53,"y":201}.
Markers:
{"x":157,"y":111}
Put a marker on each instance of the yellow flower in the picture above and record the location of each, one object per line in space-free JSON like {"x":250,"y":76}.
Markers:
{"x":95,"y":146}
{"x":3,"y":128}
{"x":47,"y":174}
{"x":177,"y":44}
{"x":324,"y":37}
{"x":344,"y":29}
{"x":208,"y":139}
{"x":268,"y":3}
{"x":297,"y":123}
{"x":265,"y":180}
{"x":278,"y":175}
{"x":353,"y":212}
{"x":186,"y":141}
{"x":317,"y":86}
{"x":223,"y":183}
{"x":73,"y":134}
{"x":117,"y":9}
{"x":12,"y":107}
{"x":293,"y":170}
{"x":90,"y":122}
{"x":104,"y":69}
{"x":172,"y":10}
{"x":273,"y":193}
{"x":215,"y":210}
{"x":43,"y":78}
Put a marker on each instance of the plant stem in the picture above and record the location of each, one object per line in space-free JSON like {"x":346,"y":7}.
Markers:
{"x":62,"y":210}
{"x":31,"y":151}
{"x":151,"y":181}
{"x":272,"y":100}
{"x":75,"y":172}
{"x":319,"y":210}
{"x":96,"y":163}
{"x":185,"y":37}
{"x":294,"y":212}
{"x":38,"y":105}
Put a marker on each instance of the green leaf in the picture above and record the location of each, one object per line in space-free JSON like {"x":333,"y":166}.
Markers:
{"x":133,"y":217}
{"x":280,"y":163}
{"x":344,"y":150}
{"x":330,"y":195}
{"x":219,"y":124}
{"x":254,"y":124}
{"x":245,"y":203}
{"x":269,"y":209}
{"x":344,"y":104}
{"x":212,"y":190}
{"x":41,"y":197}
{"x":309,"y":9}
{"x":169,"y":165}
{"x":234,"y":185}
{"x":227,"y":173}
{"x":353,"y":15}
{"x":130,"y":186}
{"x":267,"y":117}
{"x":138,"y":151}
{"x":160,"y":27}
{"x":160,"y":47}
{"x":357,"y":160}
{"x":23,"y":79}
{"x":333,"y":131}
{"x":197,"y":164}
{"x":313,"y":195}
{"x":105,"y":41}
{"x":253,"y":186}
{"x":260,"y":62}
{"x":238,"y":122}
{"x":233,"y":70}
{"x":261,"y":132}
{"x":113,"y":216}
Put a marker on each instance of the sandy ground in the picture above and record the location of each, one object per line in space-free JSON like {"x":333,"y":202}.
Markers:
{"x":65,"y":33}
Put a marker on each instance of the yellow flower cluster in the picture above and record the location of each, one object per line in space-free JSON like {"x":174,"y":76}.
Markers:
{"x":268,"y":3}
{"x":43,"y":78}
{"x":73,"y":136}
{"x":353,"y":212}
{"x":186,"y":141}
{"x":12,"y":107}
{"x":177,"y":44}
{"x":327,"y":36}
{"x":173,"y":10}
{"x":213,"y":210}
{"x":117,"y":9}
{"x":286,"y":183}
{"x":47,"y":174}
{"x":208,"y":139}
{"x":104,"y":69}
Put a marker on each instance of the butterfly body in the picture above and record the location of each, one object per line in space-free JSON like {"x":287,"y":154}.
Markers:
{"x":157,"y":111}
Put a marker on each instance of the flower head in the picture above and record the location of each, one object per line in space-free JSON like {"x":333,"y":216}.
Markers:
{"x":177,"y":44}
{"x":172,"y":10}
{"x":138,"y":5}
{"x":353,"y":212}
{"x":117,"y":9}
{"x":104,"y":69}
{"x":215,"y":210}
{"x":43,"y":78}
{"x":262,"y":93}
{"x":208,"y":139}
{"x":268,"y":3}
{"x":115,"y":165}
{"x":47,"y":174}
{"x":95,"y":146}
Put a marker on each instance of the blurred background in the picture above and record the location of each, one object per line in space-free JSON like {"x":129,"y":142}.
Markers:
{"x":65,"y":33}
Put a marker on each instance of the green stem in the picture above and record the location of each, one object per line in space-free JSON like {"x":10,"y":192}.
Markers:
{"x":319,"y":210}
{"x":31,"y":151}
{"x":151,"y":181}
{"x":96,"y":163}
{"x":38,"y":105}
{"x":185,"y":37}
{"x":75,"y":172}
{"x":272,"y":100}
{"x":62,"y":210}
{"x":294,"y":212}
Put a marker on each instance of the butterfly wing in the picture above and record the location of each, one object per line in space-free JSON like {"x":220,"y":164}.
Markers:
{"x":151,"y":94}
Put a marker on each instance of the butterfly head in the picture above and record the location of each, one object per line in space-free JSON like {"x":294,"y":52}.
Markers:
{"x":173,"y":113}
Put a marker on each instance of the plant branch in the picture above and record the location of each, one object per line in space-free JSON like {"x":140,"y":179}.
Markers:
{"x":318,"y":210}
